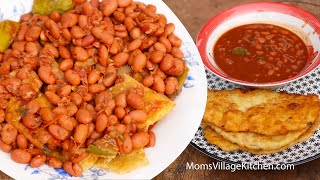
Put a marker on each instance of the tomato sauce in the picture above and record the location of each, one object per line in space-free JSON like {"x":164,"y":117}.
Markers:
{"x":260,"y":53}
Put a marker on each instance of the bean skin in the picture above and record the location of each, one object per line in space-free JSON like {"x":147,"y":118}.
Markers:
{"x":140,"y":140}
{"x":5,"y":147}
{"x":58,"y":132}
{"x":21,"y":156}
{"x":38,"y":160}
{"x":101,"y":122}
{"x":72,"y":77}
{"x":84,"y":116}
{"x":135,"y":101}
{"x":81,"y":133}
{"x":9,"y":133}
{"x":46,"y":74}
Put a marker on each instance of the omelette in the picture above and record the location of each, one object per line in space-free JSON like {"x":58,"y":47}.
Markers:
{"x":259,"y":121}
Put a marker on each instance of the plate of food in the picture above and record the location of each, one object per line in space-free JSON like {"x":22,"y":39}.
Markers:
{"x":263,"y":97}
{"x":98,"y":90}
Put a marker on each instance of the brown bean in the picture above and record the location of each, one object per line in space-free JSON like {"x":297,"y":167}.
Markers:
{"x":119,"y":16}
{"x":138,"y":116}
{"x":54,"y":162}
{"x":139,"y":63}
{"x":73,"y":169}
{"x":66,"y":34}
{"x":166,"y":43}
{"x":127,"y":144}
{"x":169,"y":29}
{"x":121,"y":128}
{"x":53,"y":28}
{"x":120,"y":112}
{"x":55,"y":16}
{"x":93,"y":76}
{"x":171,"y":85}
{"x":33,"y":33}
{"x":148,"y":42}
{"x":59,"y":110}
{"x":72,"y":77}
{"x":50,"y":49}
{"x":148,"y":81}
{"x":80,"y":54}
{"x":112,"y":120}
{"x":46,"y":114}
{"x":115,"y":47}
{"x":78,"y":158}
{"x":175,"y":40}
{"x":121,"y":100}
{"x":87,"y":40}
{"x":152,"y":139}
{"x":135,"y":101}
{"x":167,"y":62}
{"x":22,"y":141}
{"x":77,"y":32}
{"x":101,"y":123}
{"x":135,"y":44}
{"x":97,"y":32}
{"x":46,"y":74}
{"x":19,"y":45}
{"x":110,"y":7}
{"x":21,"y":156}
{"x":2,"y":115}
{"x":96,"y":88}
{"x":9,"y":133}
{"x":103,"y":55}
{"x":5,"y":147}
{"x":127,"y":120}
{"x":111,"y":76}
{"x":160,"y":47}
{"x":140,"y":140}
{"x":124,"y":3}
{"x":65,"y":122}
{"x":120,"y":59}
{"x":81,"y":133}
{"x":22,"y":32}
{"x":38,"y":160}
{"x":64,"y":91}
{"x":177,"y":53}
{"x":76,"y":98}
{"x":68,"y":20}
{"x":25,"y":17}
{"x":159,"y":85}
{"x":58,"y":132}
{"x":71,"y":109}
{"x":52,"y":97}
{"x":135,"y":33}
{"x":107,"y":38}
{"x":84,"y":116}
{"x":83,"y":21}
{"x":156,"y":56}
{"x":178,"y":68}
{"x":66,"y":64}
{"x":64,"y":52}
{"x":121,"y":34}
{"x":87,"y":8}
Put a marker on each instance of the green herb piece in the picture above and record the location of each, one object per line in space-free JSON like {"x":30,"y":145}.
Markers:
{"x":260,"y":58}
{"x":45,"y":7}
{"x":240,"y":51}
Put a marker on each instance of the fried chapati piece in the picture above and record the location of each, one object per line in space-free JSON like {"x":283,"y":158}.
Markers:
{"x":260,"y":111}
{"x":215,"y":138}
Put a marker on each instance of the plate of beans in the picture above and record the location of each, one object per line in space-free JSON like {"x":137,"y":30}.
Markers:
{"x":60,"y":96}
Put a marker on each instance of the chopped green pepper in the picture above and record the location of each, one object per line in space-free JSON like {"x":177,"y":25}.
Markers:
{"x":241,"y":51}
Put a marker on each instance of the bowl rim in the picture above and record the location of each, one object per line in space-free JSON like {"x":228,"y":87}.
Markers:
{"x":215,"y":21}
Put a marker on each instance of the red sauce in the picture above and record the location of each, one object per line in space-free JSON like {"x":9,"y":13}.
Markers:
{"x":260,"y":53}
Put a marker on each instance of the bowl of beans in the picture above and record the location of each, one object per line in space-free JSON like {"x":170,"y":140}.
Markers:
{"x":261,"y":45}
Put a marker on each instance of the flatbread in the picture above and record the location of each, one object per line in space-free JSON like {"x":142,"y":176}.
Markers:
{"x":214,"y":138}
{"x":260,"y":111}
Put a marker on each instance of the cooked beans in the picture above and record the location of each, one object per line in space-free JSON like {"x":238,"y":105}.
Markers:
{"x":140,"y":140}
{"x":8,"y":133}
{"x":22,"y":141}
{"x":38,"y":161}
{"x":21,"y":156}
{"x":81,"y":133}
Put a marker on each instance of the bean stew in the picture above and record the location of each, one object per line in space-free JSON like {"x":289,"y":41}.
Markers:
{"x":260,"y":53}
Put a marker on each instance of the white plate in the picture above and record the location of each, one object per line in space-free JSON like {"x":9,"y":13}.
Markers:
{"x":174,"y":132}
